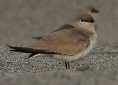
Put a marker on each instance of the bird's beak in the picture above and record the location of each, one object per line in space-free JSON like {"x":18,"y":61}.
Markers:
{"x":95,"y":11}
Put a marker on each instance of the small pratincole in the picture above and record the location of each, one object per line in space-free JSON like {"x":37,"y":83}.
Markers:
{"x":69,"y":43}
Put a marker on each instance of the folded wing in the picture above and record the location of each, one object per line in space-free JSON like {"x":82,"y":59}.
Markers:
{"x":67,"y":40}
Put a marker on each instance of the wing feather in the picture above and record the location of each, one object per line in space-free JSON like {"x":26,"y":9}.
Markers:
{"x":66,"y":40}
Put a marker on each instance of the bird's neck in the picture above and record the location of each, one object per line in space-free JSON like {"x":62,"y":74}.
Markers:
{"x":80,"y":26}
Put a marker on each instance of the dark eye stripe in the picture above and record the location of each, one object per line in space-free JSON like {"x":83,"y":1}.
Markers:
{"x":87,"y":21}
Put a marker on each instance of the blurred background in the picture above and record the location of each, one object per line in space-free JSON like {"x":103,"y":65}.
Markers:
{"x":20,"y":20}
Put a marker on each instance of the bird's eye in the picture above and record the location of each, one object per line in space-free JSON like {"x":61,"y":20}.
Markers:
{"x":90,"y":21}
{"x":82,"y":20}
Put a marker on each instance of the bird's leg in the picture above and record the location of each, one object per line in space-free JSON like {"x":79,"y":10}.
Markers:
{"x":67,"y":64}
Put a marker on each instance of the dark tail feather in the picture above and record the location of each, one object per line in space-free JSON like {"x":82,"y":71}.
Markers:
{"x":29,"y":50}
{"x":37,"y":38}
{"x":23,"y":49}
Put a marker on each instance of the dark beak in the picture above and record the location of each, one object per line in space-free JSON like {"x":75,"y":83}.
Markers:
{"x":95,"y":11}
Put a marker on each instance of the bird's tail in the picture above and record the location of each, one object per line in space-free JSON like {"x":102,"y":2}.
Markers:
{"x":32,"y":52}
{"x":23,"y":49}
{"x":29,"y":50}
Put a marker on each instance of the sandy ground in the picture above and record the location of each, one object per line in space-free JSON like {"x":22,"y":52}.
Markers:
{"x":20,"y":20}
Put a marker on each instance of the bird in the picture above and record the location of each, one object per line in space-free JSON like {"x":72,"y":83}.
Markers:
{"x":87,"y":9}
{"x":69,"y":43}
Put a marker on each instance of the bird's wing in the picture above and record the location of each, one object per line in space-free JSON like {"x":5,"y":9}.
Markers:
{"x":66,"y":40}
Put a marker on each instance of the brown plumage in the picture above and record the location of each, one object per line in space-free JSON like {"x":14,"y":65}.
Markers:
{"x":62,"y":41}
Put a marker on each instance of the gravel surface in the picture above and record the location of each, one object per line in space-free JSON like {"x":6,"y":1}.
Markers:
{"x":101,"y":58}
{"x":98,"y":68}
